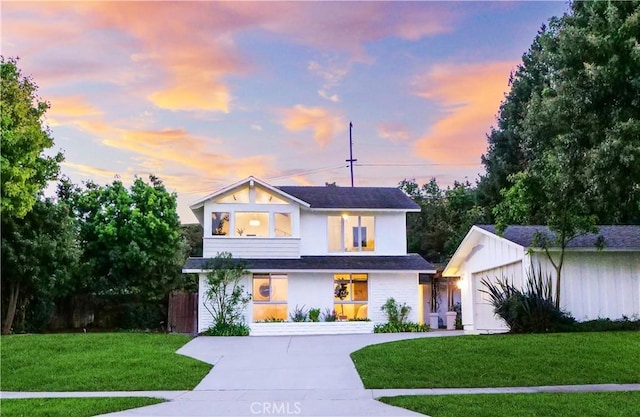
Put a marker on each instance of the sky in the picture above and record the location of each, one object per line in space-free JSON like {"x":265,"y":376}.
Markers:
{"x":204,"y":94}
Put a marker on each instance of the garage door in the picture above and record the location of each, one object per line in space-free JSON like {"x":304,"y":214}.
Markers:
{"x":484,"y":319}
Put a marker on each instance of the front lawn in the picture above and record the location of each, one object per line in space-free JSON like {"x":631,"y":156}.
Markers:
{"x":502,"y":361}
{"x":71,"y":407}
{"x":589,"y":404}
{"x":98,"y":362}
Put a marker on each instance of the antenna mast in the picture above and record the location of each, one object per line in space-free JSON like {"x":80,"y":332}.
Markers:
{"x":351,"y":160}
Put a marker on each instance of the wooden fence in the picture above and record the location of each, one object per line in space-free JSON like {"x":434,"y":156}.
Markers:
{"x":183,"y":312}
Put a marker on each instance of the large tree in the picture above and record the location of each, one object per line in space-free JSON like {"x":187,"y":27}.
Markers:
{"x":130,"y":237}
{"x":575,"y":100}
{"x":39,"y":255}
{"x":24,"y":168}
{"x":580,"y":134}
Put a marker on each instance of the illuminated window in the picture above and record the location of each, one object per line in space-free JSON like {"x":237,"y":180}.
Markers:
{"x":239,"y":196}
{"x":269,"y":297}
{"x":251,"y":224}
{"x":265,"y":197}
{"x":219,"y":223}
{"x":350,"y":296}
{"x":282,"y":224}
{"x":351,"y":233}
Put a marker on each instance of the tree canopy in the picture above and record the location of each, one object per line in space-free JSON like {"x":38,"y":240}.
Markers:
{"x":25,"y":169}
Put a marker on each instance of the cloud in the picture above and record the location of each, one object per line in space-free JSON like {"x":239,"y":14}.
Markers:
{"x":323,"y":123}
{"x":72,"y":106}
{"x":394,"y":132}
{"x":469,"y":96}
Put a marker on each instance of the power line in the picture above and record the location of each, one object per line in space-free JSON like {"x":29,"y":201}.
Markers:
{"x":390,"y":164}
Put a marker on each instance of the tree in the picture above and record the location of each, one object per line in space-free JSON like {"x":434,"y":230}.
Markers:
{"x":130,"y":237}
{"x":39,"y":256}
{"x":444,"y":219}
{"x":577,"y":92}
{"x":225,"y":297}
{"x":24,"y":168}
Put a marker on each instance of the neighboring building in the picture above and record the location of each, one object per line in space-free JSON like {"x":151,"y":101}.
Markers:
{"x":600,"y":275}
{"x":302,"y":245}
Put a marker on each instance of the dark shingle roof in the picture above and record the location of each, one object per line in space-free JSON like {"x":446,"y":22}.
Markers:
{"x":615,"y":237}
{"x":411,"y":262}
{"x":352,"y":197}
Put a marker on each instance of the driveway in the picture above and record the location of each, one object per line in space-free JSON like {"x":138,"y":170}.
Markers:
{"x":280,"y":375}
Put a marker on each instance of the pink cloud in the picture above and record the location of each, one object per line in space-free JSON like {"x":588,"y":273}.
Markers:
{"x":322,"y":122}
{"x":469,"y":96}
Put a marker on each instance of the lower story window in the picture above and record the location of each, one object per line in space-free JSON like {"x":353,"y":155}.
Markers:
{"x":351,"y":296}
{"x":269,"y":297}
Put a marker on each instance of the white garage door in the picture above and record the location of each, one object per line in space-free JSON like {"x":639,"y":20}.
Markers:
{"x":484,"y":319}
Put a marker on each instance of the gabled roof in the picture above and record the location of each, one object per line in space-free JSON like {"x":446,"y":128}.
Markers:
{"x":411,"y":262}
{"x":238,"y":184}
{"x":613,"y":237}
{"x":329,"y":197}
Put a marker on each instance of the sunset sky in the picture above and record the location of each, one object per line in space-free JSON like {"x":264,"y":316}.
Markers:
{"x":203,"y":94}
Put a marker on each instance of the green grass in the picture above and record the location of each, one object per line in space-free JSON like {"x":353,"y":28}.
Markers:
{"x":97,"y":362}
{"x":502,"y":361}
{"x":587,"y":404}
{"x":70,"y":407}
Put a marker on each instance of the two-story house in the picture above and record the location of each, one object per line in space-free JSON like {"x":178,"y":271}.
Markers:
{"x":336,"y":248}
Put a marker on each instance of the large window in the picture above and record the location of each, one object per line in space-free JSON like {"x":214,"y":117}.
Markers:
{"x":240,"y":195}
{"x":351,"y":233}
{"x":220,"y":223}
{"x":251,"y":224}
{"x":269,"y":297}
{"x":350,"y":296}
{"x":282,"y":224}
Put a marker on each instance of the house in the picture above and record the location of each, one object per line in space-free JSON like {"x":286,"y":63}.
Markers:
{"x":336,"y":248}
{"x":600,"y":275}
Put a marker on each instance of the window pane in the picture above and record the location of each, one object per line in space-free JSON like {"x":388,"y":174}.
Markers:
{"x":282,"y":225}
{"x":264,"y":196}
{"x":279,"y":288}
{"x":367,"y":232}
{"x":261,"y":288}
{"x":263,"y":312}
{"x":219,"y":223}
{"x":240,"y":195}
{"x":360,"y":292}
{"x":351,"y":311}
{"x":350,"y":233}
{"x":252,"y":224}
{"x":335,"y":233}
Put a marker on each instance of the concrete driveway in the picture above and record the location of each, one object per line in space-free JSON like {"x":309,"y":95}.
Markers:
{"x":280,"y":375}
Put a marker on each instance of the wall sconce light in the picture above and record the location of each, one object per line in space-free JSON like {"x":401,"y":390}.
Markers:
{"x":460,"y":283}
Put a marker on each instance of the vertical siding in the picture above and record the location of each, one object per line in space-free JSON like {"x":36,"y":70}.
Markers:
{"x":403,"y":287}
{"x":598,"y":284}
{"x":484,"y":319}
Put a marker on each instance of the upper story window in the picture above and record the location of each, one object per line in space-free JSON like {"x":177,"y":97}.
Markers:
{"x":239,"y":196}
{"x":251,"y":223}
{"x":351,"y":233}
{"x":220,"y":223}
{"x":263,"y":196}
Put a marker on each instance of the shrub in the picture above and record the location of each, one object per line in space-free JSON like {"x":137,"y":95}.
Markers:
{"x":227,"y":329}
{"x":329,"y":315}
{"x":407,"y":327}
{"x":397,"y":319}
{"x":604,"y":325}
{"x":299,"y":314}
{"x":528,"y":310}
{"x":271,"y":320}
{"x":314,"y":314}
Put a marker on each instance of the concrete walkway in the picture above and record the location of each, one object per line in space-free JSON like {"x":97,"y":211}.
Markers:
{"x":290,"y":375}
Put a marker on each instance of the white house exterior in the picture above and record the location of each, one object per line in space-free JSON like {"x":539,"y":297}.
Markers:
{"x":301,"y":243}
{"x":596,"y":282}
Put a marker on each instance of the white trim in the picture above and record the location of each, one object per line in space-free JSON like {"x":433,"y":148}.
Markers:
{"x":328,"y":271}
{"x":251,"y":180}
